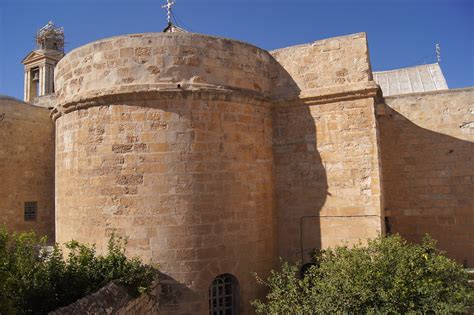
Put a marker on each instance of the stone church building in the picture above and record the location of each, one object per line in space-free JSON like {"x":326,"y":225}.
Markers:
{"x":215,"y":157}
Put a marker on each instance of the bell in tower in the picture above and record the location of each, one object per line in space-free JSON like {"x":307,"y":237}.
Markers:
{"x":40,"y":63}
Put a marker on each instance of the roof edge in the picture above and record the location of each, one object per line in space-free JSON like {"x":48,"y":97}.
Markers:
{"x":410,"y":67}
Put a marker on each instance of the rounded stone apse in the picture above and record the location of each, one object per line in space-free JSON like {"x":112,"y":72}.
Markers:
{"x":166,"y":139}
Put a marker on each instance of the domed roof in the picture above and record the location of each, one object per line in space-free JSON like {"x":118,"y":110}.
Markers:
{"x":10,"y":98}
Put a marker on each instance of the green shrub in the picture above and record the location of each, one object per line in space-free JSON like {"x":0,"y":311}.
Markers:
{"x":36,"y":280}
{"x":388,"y":275}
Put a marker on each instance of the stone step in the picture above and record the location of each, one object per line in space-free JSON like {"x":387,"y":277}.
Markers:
{"x":470,"y":273}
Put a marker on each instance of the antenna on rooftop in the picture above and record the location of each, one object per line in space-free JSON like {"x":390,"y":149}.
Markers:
{"x":438,"y":53}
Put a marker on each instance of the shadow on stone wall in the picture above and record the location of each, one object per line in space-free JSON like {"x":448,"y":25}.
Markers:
{"x":113,"y":299}
{"x":190,"y":181}
{"x":173,"y":293}
{"x":300,"y":178}
{"x":428,"y":182}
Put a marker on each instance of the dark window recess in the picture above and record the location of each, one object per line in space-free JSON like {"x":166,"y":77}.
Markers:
{"x":31,"y":211}
{"x":388,"y":226}
{"x":305,"y":269}
{"x":224,"y":296}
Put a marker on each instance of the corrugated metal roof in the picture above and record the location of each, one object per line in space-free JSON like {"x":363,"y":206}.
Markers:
{"x":423,"y":78}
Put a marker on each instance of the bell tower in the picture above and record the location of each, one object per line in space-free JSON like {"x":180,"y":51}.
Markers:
{"x":40,"y":63}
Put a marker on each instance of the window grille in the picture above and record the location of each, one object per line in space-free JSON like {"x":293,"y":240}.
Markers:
{"x":30,"y":212}
{"x":224,"y":295}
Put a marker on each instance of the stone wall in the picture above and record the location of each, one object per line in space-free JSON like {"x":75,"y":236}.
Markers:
{"x":47,"y":101}
{"x":213,"y":156}
{"x":160,"y":61}
{"x":428,"y":168}
{"x":26,"y":166}
{"x":184,"y":172}
{"x":332,"y":62}
{"x":327,"y":180}
{"x":326,"y":176}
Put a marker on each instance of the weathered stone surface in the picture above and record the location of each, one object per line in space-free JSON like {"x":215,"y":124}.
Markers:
{"x":180,"y":141}
{"x":46,"y":101}
{"x":213,"y":156}
{"x":327,"y":181}
{"x":428,"y":168}
{"x":192,"y":196}
{"x":162,"y":61}
{"x":26,"y":166}
{"x":333,"y":61}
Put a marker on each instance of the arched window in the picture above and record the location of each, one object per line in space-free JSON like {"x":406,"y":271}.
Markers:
{"x":224,"y":295}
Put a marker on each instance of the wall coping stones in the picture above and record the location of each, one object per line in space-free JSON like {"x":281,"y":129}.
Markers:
{"x":144,"y":35}
{"x":320,"y":42}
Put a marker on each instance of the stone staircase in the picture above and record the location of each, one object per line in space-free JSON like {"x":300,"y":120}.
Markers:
{"x":471,"y":277}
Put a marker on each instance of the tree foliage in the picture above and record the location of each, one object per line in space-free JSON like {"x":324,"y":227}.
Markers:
{"x":388,"y":275}
{"x":37,"y":279}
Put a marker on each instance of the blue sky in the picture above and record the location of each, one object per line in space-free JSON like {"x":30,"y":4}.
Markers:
{"x":401,"y":32}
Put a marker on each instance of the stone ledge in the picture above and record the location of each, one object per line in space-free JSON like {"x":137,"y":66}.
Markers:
{"x":147,"y":92}
{"x":151,"y":92}
{"x":333,"y":94}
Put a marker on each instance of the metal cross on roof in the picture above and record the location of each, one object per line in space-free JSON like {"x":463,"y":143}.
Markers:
{"x":169,"y":4}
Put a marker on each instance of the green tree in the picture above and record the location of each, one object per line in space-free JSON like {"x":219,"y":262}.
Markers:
{"x":388,"y":275}
{"x":37,"y":279}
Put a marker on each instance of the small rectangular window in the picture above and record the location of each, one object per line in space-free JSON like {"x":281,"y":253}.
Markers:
{"x":31,"y":209}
